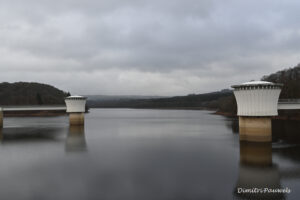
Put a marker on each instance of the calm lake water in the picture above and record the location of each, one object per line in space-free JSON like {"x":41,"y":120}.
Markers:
{"x":144,"y":154}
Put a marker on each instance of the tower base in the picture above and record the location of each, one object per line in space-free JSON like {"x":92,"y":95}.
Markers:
{"x":76,"y":119}
{"x":255,"y":129}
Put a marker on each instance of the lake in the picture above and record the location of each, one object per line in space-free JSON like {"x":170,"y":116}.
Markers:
{"x":144,"y":154}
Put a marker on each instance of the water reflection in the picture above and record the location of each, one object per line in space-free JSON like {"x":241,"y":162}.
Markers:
{"x":257,"y":170}
{"x":145,"y":154}
{"x":232,"y":123}
{"x":75,"y":141}
{"x":30,"y":134}
{"x":74,"y":136}
{"x":286,"y":131}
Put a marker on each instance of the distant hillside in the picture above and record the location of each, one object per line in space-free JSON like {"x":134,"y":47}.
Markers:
{"x":208,"y":100}
{"x":290,"y":79}
{"x":222,"y":101}
{"x":119,"y":97}
{"x":26,"y":93}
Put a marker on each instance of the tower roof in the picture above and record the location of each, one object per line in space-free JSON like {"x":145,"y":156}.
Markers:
{"x":75,"y":97}
{"x":257,"y":83}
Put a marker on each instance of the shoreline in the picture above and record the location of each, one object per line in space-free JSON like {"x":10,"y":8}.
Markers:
{"x":34,"y":114}
{"x":60,"y":113}
{"x":157,"y":108}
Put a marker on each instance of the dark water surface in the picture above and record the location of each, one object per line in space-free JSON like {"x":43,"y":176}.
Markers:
{"x":144,"y":154}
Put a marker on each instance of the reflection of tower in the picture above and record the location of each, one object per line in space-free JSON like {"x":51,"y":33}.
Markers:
{"x":257,"y":171}
{"x":76,"y":139}
{"x":256,"y":154}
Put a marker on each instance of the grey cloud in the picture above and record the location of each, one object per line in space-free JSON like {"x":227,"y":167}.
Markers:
{"x":101,"y":41}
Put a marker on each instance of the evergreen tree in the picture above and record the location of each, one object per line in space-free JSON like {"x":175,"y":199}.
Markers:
{"x":39,"y":99}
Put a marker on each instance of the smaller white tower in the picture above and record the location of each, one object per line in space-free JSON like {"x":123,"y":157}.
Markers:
{"x":256,"y":101}
{"x":76,"y":109}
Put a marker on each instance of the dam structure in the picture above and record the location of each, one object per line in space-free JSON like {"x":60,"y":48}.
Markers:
{"x":74,"y":106}
{"x":257,"y":103}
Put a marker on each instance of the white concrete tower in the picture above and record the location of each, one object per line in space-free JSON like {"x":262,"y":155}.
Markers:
{"x":76,"y":109}
{"x":256,"y":101}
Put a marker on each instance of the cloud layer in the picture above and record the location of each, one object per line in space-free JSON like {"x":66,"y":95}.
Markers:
{"x":171,"y":47}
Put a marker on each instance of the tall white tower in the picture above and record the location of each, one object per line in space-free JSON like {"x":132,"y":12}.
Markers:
{"x":76,"y":109}
{"x":256,"y":101}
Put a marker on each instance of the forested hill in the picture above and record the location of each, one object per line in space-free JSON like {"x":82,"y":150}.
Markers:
{"x":27,"y":93}
{"x":209,"y":100}
{"x":290,"y":78}
{"x":222,"y":101}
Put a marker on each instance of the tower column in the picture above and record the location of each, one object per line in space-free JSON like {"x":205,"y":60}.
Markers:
{"x":76,"y":119}
{"x":255,"y":129}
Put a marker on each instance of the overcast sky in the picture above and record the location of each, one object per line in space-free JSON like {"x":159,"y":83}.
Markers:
{"x":146,"y":47}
